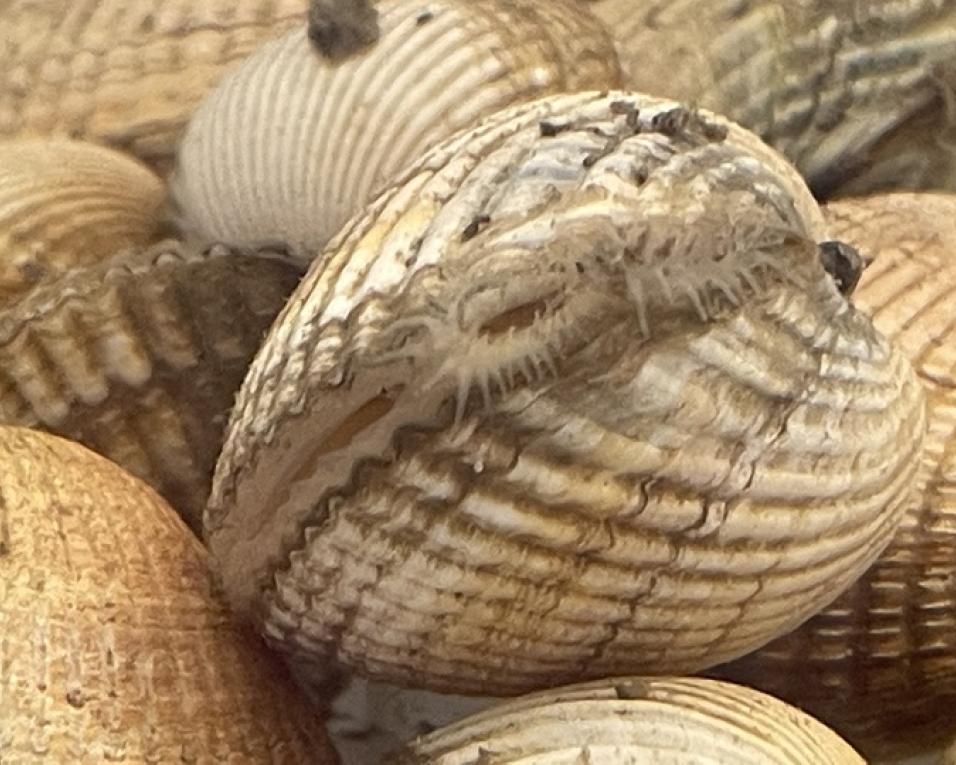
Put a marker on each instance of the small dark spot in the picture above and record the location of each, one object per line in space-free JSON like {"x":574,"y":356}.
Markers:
{"x":632,"y":689}
{"x":341,"y":28}
{"x":75,"y":698}
{"x":41,"y":686}
{"x":713,"y":131}
{"x":640,"y":175}
{"x":31,"y":271}
{"x":474,"y":227}
{"x":551,"y":129}
{"x":148,"y":24}
{"x":424,"y":17}
{"x":424,"y":727}
{"x":671,"y":122}
{"x":579,"y":267}
{"x":844,"y":264}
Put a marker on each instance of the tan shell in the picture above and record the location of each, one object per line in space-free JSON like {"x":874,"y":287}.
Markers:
{"x":140,"y":358}
{"x":290,"y":146}
{"x":121,"y":72}
{"x":115,"y":646}
{"x":513,"y":431}
{"x":860,"y":95}
{"x":67,"y":203}
{"x":879,"y":665}
{"x":636,"y":721}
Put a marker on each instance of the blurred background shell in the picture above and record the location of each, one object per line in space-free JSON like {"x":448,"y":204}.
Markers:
{"x":483,"y":451}
{"x":291,"y":145}
{"x":140,"y":357}
{"x":879,"y":665}
{"x":67,"y":203}
{"x":115,"y":645}
{"x":860,"y":95}
{"x":126,"y":74}
{"x":635,"y":721}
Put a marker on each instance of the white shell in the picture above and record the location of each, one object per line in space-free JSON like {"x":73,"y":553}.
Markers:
{"x":291,"y":145}
{"x":574,"y":397}
{"x":636,"y":721}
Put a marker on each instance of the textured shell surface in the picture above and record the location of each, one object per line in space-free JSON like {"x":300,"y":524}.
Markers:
{"x":116,"y":646}
{"x":879,"y":665}
{"x":860,"y":95}
{"x":291,"y":145}
{"x":140,"y":357}
{"x":124,"y":73}
{"x":635,"y":721}
{"x":574,"y":397}
{"x":67,"y":203}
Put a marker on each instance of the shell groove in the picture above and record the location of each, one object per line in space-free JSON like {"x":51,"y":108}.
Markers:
{"x":139,"y":358}
{"x":115,"y":644}
{"x":879,"y":665}
{"x":634,"y":721}
{"x":861,"y":96}
{"x":492,"y":444}
{"x":290,"y":146}
{"x":66,"y":203}
{"x":126,"y":74}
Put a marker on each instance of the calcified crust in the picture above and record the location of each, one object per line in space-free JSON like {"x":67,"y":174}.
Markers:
{"x":855,"y":93}
{"x":634,"y":721}
{"x":140,"y":358}
{"x":879,"y":665}
{"x":67,"y":203}
{"x":115,"y":646}
{"x":124,"y":73}
{"x":576,"y":397}
{"x":291,"y":145}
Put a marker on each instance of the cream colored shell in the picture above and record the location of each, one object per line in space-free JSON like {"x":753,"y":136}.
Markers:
{"x":290,"y":146}
{"x":139,"y":358}
{"x":115,"y":645}
{"x":67,"y":203}
{"x":879,"y":665}
{"x":574,"y":397}
{"x":127,"y":73}
{"x":860,"y":95}
{"x":636,"y":721}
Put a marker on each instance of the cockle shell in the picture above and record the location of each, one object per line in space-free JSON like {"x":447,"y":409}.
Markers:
{"x":290,"y":145}
{"x":879,"y":665}
{"x":115,"y":646}
{"x":635,"y":721}
{"x":140,"y":357}
{"x":574,"y":397}
{"x":857,"y":94}
{"x":127,"y":74}
{"x":67,"y":203}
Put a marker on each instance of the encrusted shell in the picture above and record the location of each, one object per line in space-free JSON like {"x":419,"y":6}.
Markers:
{"x":291,"y":145}
{"x":67,"y":203}
{"x":636,"y":721}
{"x":115,"y":646}
{"x":140,"y":358}
{"x":859,"y":95}
{"x":575,"y":397}
{"x":127,"y":74}
{"x":879,"y":665}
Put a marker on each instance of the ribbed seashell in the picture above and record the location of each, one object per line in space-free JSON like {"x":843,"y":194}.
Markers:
{"x":858,"y":94}
{"x":575,"y":397}
{"x":127,"y":74}
{"x":635,"y":721}
{"x":116,"y":647}
{"x":879,"y":665}
{"x":290,"y":146}
{"x":68,"y":203}
{"x":140,"y":358}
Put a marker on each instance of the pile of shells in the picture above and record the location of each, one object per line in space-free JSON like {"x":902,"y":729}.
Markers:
{"x":488,"y":352}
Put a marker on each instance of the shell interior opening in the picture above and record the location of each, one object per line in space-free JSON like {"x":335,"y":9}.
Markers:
{"x":362,"y":418}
